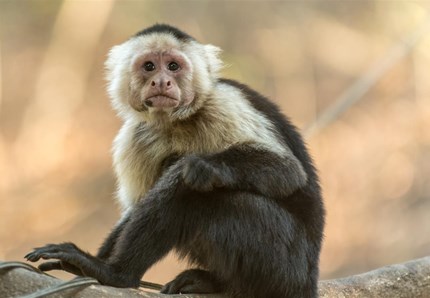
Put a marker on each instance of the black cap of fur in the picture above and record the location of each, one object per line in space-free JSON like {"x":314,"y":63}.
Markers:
{"x":164,"y":28}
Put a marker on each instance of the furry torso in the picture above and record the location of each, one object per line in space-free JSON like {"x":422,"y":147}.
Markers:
{"x":141,"y":147}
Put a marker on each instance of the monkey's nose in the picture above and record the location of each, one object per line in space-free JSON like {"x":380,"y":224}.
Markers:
{"x":161,"y":84}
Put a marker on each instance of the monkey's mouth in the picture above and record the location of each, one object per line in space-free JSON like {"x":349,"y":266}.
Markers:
{"x":161,"y":101}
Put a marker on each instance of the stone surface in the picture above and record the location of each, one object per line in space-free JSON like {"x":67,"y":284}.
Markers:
{"x":411,"y":279}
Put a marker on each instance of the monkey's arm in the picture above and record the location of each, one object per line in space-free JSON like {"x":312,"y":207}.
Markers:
{"x":246,"y":167}
{"x":78,"y":262}
{"x":108,"y":245}
{"x":143,"y":238}
{"x":116,"y":264}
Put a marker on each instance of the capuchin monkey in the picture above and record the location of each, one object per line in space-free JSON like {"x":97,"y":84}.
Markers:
{"x":207,"y":167}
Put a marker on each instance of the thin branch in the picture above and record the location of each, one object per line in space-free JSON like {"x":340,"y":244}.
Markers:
{"x":407,"y":280}
{"x":358,"y":89}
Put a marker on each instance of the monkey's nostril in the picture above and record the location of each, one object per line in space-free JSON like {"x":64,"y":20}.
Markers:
{"x":168,"y":83}
{"x":152,"y":83}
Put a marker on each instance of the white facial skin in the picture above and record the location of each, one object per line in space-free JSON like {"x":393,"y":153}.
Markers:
{"x":161,"y":80}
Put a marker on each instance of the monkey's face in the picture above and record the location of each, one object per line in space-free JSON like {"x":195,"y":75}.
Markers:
{"x":156,"y":77}
{"x":161,"y":80}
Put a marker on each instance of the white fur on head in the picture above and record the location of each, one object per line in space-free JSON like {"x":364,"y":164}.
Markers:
{"x":205,"y":68}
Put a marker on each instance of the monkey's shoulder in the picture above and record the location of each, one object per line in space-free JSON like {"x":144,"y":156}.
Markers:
{"x":256,"y":100}
{"x":264,"y":108}
{"x":286,"y":133}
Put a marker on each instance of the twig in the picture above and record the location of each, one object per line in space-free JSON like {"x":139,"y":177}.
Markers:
{"x":361,"y":86}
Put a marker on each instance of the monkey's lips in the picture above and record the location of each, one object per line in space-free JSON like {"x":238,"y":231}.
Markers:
{"x":161,"y":101}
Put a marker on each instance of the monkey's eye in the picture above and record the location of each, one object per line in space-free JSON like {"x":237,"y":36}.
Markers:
{"x":173,"y":66}
{"x":148,"y":66}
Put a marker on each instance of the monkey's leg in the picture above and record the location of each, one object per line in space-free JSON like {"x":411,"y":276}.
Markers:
{"x":193,"y":281}
{"x":257,"y":248}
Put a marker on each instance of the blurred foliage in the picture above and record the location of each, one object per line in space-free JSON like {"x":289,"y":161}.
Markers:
{"x":56,"y":125}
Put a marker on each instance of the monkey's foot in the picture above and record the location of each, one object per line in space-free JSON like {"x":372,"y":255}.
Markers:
{"x":193,"y":281}
{"x":78,"y":261}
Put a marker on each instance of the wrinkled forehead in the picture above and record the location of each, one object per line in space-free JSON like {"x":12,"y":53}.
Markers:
{"x":156,"y":43}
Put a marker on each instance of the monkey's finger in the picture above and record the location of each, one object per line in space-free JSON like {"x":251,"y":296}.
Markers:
{"x":44,"y":254}
{"x":33,"y":256}
{"x":41,"y":252}
{"x":48,"y":266}
{"x":54,"y":255}
{"x":60,"y":265}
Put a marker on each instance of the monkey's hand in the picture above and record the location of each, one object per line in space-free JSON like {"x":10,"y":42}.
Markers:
{"x":56,"y":251}
{"x":203,"y":175}
{"x":78,"y":261}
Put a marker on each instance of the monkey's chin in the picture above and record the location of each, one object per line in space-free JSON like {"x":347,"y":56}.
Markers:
{"x":161,"y":102}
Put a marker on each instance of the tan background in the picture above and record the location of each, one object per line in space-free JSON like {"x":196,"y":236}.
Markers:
{"x":56,"y":124}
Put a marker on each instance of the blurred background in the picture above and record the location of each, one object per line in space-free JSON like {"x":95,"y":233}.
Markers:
{"x":354,"y":76}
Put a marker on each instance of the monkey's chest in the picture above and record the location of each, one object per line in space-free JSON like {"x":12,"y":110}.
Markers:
{"x":138,"y":162}
{"x":138,"y":165}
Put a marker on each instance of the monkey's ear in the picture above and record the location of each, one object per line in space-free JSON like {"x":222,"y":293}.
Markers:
{"x":214,"y":62}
